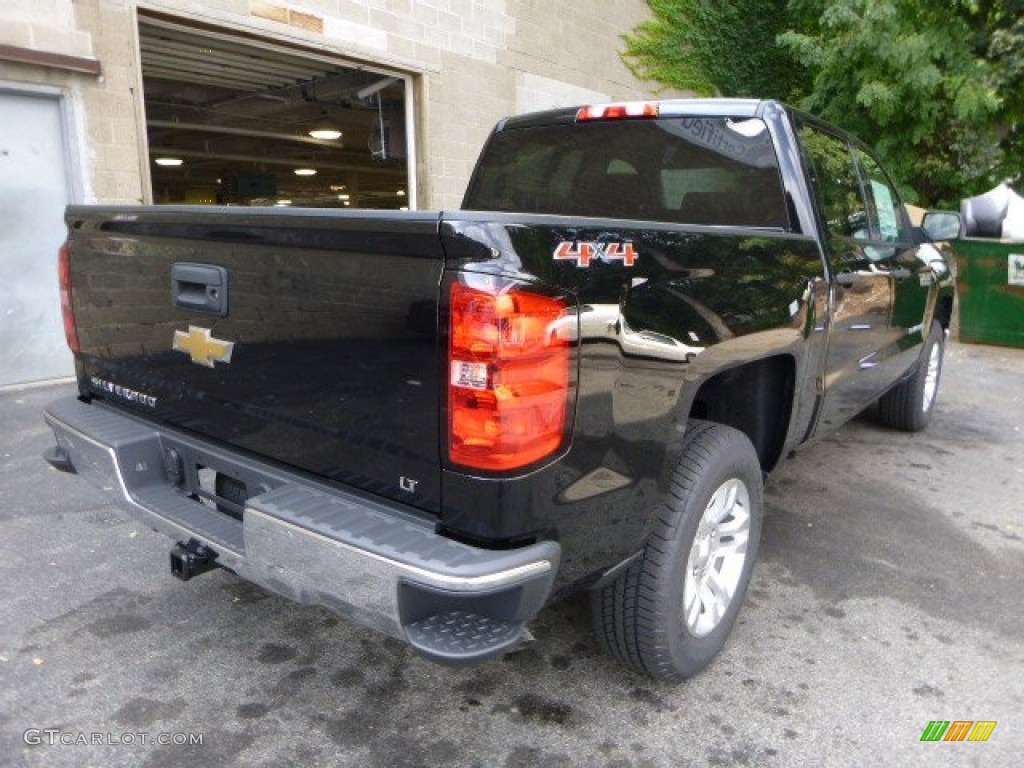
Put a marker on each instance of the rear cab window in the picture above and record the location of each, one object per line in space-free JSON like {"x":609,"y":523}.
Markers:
{"x":687,"y":170}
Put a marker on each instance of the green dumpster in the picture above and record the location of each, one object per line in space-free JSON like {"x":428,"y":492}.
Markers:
{"x":990,"y":286}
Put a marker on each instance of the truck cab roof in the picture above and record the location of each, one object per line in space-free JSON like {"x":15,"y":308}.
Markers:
{"x":738,"y":108}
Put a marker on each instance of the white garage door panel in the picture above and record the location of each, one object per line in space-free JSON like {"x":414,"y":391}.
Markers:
{"x":33,"y":193}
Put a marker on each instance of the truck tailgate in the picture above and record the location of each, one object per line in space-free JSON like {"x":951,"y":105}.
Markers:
{"x":307,"y":338}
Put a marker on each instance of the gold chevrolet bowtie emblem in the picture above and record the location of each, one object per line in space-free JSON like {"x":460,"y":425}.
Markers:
{"x":202,"y":347}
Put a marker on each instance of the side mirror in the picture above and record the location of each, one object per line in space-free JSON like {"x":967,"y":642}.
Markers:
{"x":941,"y":225}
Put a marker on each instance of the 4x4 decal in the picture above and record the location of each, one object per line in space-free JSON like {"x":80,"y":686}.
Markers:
{"x":585,"y":252}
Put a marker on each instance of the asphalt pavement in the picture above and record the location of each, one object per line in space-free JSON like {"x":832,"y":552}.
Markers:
{"x":889,"y":594}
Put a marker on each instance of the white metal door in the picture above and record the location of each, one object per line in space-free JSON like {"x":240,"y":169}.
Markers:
{"x":33,"y":193}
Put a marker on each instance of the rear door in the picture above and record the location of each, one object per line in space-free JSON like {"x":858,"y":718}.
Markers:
{"x":306,"y":338}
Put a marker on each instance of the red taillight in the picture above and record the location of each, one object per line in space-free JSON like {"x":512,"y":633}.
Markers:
{"x":508,"y":376}
{"x":618,"y":111}
{"x":64,"y":276}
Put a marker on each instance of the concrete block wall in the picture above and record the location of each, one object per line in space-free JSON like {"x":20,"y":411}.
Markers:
{"x":473,"y":61}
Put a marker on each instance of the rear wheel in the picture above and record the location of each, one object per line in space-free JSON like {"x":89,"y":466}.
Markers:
{"x":670,"y":612}
{"x":908,"y":406}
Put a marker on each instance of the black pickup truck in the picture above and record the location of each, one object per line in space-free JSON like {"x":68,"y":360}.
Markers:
{"x":436,"y":423}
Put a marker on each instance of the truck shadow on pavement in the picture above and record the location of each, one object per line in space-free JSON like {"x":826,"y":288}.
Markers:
{"x":871,"y":513}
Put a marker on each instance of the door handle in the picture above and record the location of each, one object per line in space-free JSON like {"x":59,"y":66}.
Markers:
{"x":847,"y":277}
{"x":200,"y":288}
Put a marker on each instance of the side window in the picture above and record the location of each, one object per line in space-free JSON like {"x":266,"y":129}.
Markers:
{"x":836,"y":183}
{"x":677,"y":183}
{"x":560,"y":181}
{"x":535,"y":178}
{"x":617,"y":167}
{"x":884,"y":203}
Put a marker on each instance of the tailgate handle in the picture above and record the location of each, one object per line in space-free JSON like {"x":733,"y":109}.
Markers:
{"x":200,"y":288}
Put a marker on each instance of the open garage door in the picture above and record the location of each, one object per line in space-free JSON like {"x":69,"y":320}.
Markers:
{"x":233,"y":121}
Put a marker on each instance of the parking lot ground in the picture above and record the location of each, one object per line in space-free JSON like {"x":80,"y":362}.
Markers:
{"x":889,"y":593}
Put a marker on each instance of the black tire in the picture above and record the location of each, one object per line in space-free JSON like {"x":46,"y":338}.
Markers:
{"x":639,"y":618}
{"x":908,"y":406}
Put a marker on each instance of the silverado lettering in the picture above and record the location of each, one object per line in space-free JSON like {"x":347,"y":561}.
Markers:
{"x":130,"y":395}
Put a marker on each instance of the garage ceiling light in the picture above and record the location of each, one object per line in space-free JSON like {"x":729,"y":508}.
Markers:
{"x":324,"y":129}
{"x":305,"y":171}
{"x":328,"y":134}
{"x":168,"y":161}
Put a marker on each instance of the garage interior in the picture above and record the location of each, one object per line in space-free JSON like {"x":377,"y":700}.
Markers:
{"x":231,"y":121}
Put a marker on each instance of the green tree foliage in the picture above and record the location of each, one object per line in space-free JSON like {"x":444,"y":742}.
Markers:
{"x":999,"y":38}
{"x":936,"y":86}
{"x":906,"y":79}
{"x":723,"y":48}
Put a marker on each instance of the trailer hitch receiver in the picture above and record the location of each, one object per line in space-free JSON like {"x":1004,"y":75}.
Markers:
{"x":191,"y":558}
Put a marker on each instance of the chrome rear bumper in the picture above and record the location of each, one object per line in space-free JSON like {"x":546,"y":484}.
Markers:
{"x":381,"y":565}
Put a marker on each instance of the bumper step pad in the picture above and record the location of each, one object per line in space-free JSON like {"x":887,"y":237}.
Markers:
{"x":460,"y":637}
